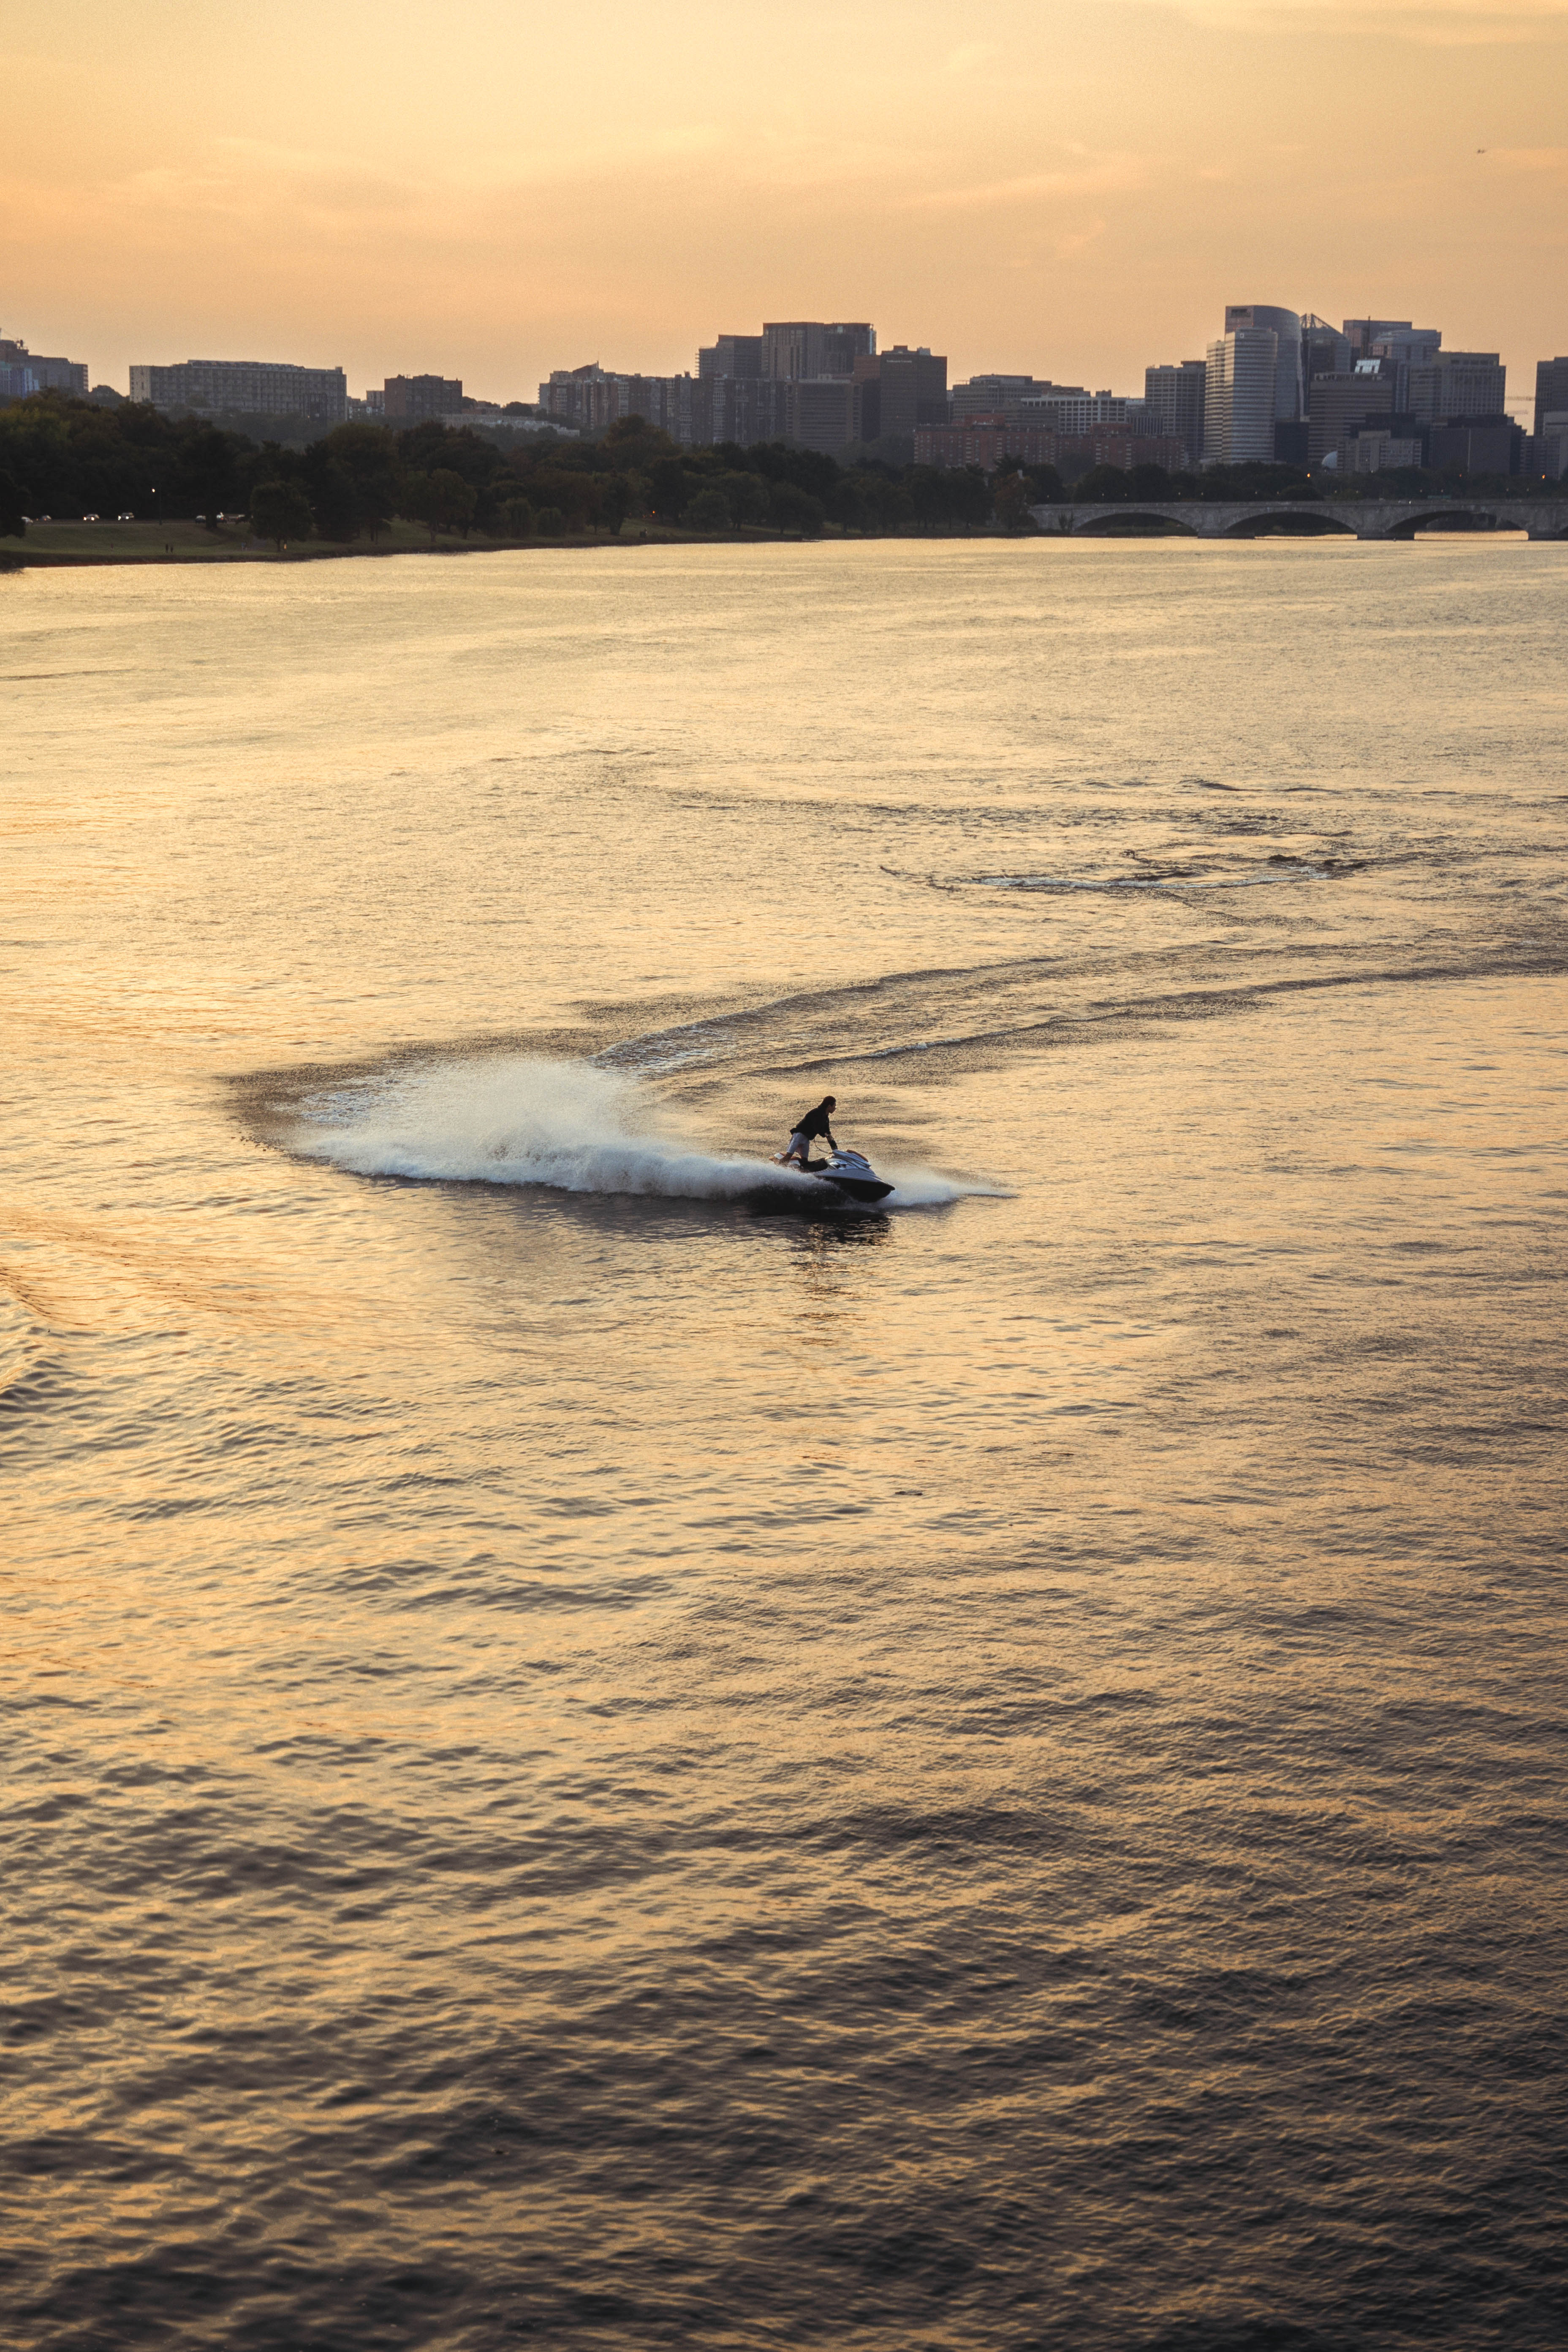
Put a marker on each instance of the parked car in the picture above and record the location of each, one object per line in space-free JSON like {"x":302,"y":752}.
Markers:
{"x":90,"y":518}
{"x":124,"y":517}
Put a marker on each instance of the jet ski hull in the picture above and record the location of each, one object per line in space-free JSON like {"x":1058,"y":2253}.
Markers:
{"x":860,"y":1188}
{"x":849,"y":1174}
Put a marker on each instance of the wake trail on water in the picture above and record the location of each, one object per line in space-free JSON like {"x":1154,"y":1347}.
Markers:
{"x":567,"y":1125}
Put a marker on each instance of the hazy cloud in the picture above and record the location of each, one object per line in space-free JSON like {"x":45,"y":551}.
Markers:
{"x":1091,"y":177}
{"x":1440,"y":24}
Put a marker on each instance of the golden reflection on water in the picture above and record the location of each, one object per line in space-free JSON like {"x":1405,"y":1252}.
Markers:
{"x":550,"y":1691}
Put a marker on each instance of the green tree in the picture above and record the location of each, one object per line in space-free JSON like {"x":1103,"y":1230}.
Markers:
{"x":454,"y":500}
{"x":550,"y":522}
{"x":12,"y":522}
{"x":709,"y":510}
{"x":577,"y":494}
{"x":793,"y":509}
{"x":1149,"y":482}
{"x":888,"y":505}
{"x":1101,"y":485}
{"x":333,"y":504}
{"x":809,"y":470}
{"x":515,"y":517}
{"x":281,"y":511}
{"x":367,"y":455}
{"x":441,"y":500}
{"x":417,"y":500}
{"x":632,"y":443}
{"x":1012,"y":500}
{"x":745,"y":494}
{"x":208,"y":460}
{"x":668,"y":487}
{"x":617,"y":499}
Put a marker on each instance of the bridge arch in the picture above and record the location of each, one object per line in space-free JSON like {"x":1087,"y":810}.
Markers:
{"x":1480,"y":518}
{"x":1306,"y":519}
{"x":1100,"y":522}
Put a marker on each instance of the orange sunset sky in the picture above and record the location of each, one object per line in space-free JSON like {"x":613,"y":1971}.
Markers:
{"x":491,"y":188}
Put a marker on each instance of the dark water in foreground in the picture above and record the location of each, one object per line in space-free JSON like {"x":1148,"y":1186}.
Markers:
{"x":591,"y":1765}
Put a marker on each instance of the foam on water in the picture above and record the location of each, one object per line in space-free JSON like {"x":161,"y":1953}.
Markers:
{"x":571,"y":1124}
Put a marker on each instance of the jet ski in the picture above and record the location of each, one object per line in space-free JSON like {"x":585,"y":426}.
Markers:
{"x":850,"y":1174}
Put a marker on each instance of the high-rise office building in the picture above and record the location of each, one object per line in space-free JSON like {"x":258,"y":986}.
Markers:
{"x":1550,"y":391}
{"x":1286,"y":327}
{"x":998,"y":395}
{"x":254,"y":388}
{"x":1340,"y":403}
{"x":28,"y":371}
{"x":899,"y":389}
{"x":734,"y":355}
{"x":1455,"y":384}
{"x":1397,"y":347}
{"x":1324,"y":352}
{"x":1173,"y":398}
{"x":796,"y":348}
{"x":1366,"y":335}
{"x":1006,"y":395}
{"x":1372,"y":450}
{"x":820,"y":412}
{"x":1240,"y":395}
{"x":412,"y":399}
{"x":1493,"y":444}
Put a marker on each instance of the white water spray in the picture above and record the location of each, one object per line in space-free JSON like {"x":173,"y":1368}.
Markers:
{"x":569,"y":1125}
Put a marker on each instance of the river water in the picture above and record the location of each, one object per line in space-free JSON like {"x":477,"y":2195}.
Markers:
{"x":598,"y":1760}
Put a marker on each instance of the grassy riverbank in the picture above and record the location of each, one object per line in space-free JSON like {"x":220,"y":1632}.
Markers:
{"x":52,"y":545}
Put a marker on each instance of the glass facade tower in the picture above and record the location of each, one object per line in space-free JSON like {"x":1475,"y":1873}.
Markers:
{"x":1285,"y":325}
{"x":1239,"y":396}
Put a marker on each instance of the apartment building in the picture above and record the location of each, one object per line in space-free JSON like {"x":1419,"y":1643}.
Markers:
{"x":1075,"y":412}
{"x":985,"y":442}
{"x":254,"y":387}
{"x":414,"y":399}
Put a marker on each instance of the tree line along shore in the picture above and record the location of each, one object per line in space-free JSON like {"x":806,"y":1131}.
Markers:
{"x":370,"y":489}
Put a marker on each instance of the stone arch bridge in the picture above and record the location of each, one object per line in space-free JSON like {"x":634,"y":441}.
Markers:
{"x":1357,"y":518}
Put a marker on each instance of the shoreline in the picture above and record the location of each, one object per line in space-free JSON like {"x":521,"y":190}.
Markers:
{"x":80,"y":546}
{"x":75,"y":546}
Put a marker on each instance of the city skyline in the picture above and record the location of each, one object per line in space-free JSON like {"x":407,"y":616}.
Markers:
{"x":138,"y":374}
{"x":1072,"y":195}
{"x":1276,"y":387}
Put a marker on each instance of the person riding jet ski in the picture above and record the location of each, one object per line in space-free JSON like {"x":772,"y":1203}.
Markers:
{"x":811,"y":1124}
{"x":849,"y":1173}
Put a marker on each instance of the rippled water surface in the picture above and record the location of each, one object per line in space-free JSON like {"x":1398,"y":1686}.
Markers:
{"x":599,"y":1755}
